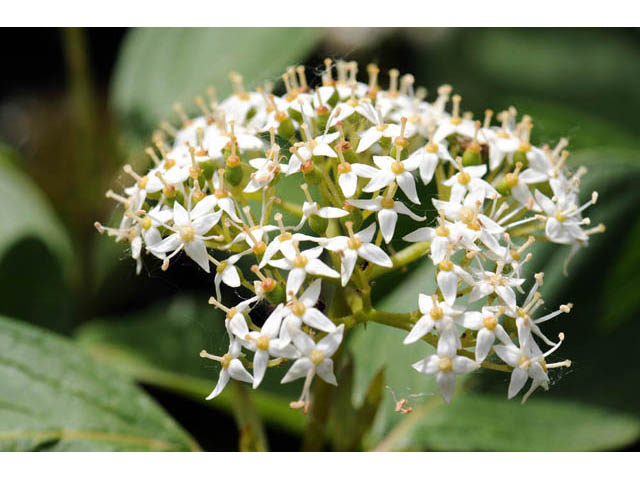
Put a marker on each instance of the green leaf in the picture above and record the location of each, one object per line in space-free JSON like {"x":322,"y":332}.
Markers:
{"x":25,"y":212}
{"x":55,"y":397}
{"x":160,"y":346}
{"x":161,"y":66}
{"x":488,"y":422}
{"x":621,"y":286}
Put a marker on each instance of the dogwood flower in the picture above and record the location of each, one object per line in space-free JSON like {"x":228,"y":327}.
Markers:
{"x":354,"y":246}
{"x":189,"y":228}
{"x":445,"y":365}
{"x":387,"y":209}
{"x":231,"y":368}
{"x":300,"y":265}
{"x":303,"y":310}
{"x":315,"y":359}
{"x":391,"y":170}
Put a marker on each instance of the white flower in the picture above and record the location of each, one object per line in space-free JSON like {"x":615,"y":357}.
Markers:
{"x":435,"y":314}
{"x":468,"y":179}
{"x":428,"y":158}
{"x":445,"y":365}
{"x":299,"y":265}
{"x":319,"y":146}
{"x":266,"y":170}
{"x":221,"y":198}
{"x":496,"y":282}
{"x":302,"y":310}
{"x":526,"y":361}
{"x":355,"y":245}
{"x":265,"y":343}
{"x":391,"y":170}
{"x":314,"y":359}
{"x":311,"y":208}
{"x":563,"y":218}
{"x":486,"y":323}
{"x":227,"y":273}
{"x":284,"y":243}
{"x":348,"y":174}
{"x":189,"y":228}
{"x":231,"y":368}
{"x":388,"y":210}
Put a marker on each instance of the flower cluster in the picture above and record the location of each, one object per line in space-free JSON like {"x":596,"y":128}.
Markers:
{"x":222,"y":189}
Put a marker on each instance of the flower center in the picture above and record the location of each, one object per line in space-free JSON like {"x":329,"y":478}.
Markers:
{"x":490,"y":323}
{"x":561,"y":217}
{"x":221,"y":266}
{"x":262,"y":342}
{"x":344,"y":167}
{"x":220,"y":193}
{"x":446,"y":265}
{"x":226,"y":360}
{"x":467,"y":215}
{"x":436,"y":313}
{"x":354,"y":243}
{"x":523,"y":362}
{"x":283,"y":237}
{"x":317,"y":357}
{"x":142,"y":183}
{"x":146,"y":223}
{"x":298,"y":309}
{"x":464,"y":178}
{"x":397,"y":167}
{"x":525,"y":147}
{"x":387,"y":203}
{"x":442,"y":231}
{"x":431,"y":148}
{"x":511,"y":179}
{"x":187,"y":233}
{"x":300,"y":261}
{"x":382,"y":128}
{"x":445,"y":364}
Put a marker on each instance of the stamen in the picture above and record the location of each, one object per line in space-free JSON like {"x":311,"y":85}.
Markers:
{"x":154,"y":158}
{"x":373,"y":70}
{"x":167,"y":127}
{"x":305,"y":189}
{"x":186,"y":121}
{"x":487,"y":118}
{"x":303,"y":79}
{"x":393,"y":81}
{"x":327,"y":78}
{"x":217,"y":304}
{"x":200,"y":103}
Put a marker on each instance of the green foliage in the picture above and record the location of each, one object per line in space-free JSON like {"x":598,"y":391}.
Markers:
{"x":32,"y":236}
{"x":24,"y":212}
{"x":161,"y":66}
{"x":54,"y":397}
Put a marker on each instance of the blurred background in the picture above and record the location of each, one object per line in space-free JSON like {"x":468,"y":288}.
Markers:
{"x":86,"y":346}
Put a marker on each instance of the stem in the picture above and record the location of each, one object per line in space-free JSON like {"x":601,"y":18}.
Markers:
{"x":400,"y":259}
{"x":252,"y":435}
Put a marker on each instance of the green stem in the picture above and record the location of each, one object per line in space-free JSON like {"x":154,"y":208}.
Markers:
{"x":252,"y":434}
{"x":400,"y":259}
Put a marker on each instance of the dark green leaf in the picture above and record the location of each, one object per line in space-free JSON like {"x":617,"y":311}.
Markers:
{"x":55,"y":397}
{"x":25,"y":212}
{"x":487,"y":422}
